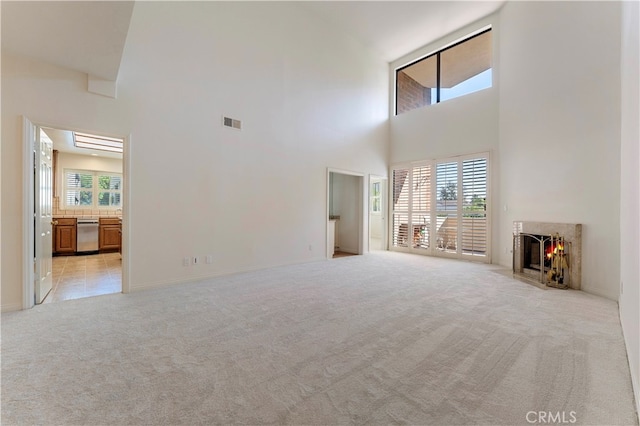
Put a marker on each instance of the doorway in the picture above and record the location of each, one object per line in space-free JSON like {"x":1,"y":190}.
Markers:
{"x":77,"y":178}
{"x":377,"y":212}
{"x":345,"y":207}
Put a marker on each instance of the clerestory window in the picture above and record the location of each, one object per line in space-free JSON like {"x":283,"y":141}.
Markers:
{"x":457,"y":70}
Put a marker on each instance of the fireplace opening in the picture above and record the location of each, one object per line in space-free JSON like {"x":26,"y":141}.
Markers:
{"x":544,"y":256}
{"x":531,"y":252}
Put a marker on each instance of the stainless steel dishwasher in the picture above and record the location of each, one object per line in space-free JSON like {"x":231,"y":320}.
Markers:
{"x":87,"y":235}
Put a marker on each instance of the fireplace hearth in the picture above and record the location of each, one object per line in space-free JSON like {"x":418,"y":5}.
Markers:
{"x":548,"y":253}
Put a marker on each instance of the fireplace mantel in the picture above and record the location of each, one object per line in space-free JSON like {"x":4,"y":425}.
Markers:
{"x":571,"y":232}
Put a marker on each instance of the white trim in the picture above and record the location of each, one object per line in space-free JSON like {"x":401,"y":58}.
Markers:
{"x":28,"y":289}
{"x":126,"y":214}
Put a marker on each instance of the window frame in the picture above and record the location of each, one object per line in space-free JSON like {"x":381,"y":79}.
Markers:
{"x":95,"y":189}
{"x":375,"y":199}
{"x":437,"y":54}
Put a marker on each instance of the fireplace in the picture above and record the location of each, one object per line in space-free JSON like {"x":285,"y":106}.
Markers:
{"x":531,"y":248}
{"x":548,"y":253}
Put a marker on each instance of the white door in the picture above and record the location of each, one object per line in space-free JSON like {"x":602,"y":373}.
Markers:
{"x":43,"y":203}
{"x":377,"y":189}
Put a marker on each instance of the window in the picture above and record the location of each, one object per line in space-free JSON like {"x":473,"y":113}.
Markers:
{"x":92,"y":189}
{"x":454,"y":71}
{"x":440,"y":207}
{"x":375,"y":197}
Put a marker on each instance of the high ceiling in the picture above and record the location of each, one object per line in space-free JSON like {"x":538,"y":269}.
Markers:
{"x":89,"y":36}
{"x":396,"y":28}
{"x":86,"y":36}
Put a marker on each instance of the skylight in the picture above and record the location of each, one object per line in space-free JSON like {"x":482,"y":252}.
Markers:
{"x":102,"y":143}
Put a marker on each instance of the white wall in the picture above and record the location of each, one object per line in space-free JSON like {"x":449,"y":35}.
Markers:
{"x":464,"y":125}
{"x":308,"y":96}
{"x":47,"y":95}
{"x":554,"y":112}
{"x":629,"y":299}
{"x":560,"y":118}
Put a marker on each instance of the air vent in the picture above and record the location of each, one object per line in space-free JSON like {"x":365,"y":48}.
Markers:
{"x":232,"y":123}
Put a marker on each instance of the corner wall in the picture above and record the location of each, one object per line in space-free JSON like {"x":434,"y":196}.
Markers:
{"x":560,"y":127}
{"x":629,"y":299}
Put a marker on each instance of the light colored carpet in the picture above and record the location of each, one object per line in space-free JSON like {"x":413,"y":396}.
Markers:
{"x":385,"y":338}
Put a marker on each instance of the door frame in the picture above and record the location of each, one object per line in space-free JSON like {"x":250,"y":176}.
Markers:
{"x":28,"y":208}
{"x":363,"y":195}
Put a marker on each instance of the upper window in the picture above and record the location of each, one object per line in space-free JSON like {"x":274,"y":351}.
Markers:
{"x":92,"y":189}
{"x":457,"y":70}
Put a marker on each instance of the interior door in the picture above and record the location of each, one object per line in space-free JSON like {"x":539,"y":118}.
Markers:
{"x":43,"y":214}
{"x":377,"y":206}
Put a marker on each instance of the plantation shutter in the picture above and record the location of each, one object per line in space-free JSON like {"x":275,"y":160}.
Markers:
{"x":400,"y":213}
{"x":447,"y":207}
{"x":421,"y":206}
{"x":474,"y":195}
{"x":79,"y":188}
{"x":441,"y":207}
{"x":110,"y":187}
{"x":92,"y":189}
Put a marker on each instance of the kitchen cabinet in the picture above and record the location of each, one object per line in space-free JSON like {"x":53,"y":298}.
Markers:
{"x":64,"y":235}
{"x":109,"y":234}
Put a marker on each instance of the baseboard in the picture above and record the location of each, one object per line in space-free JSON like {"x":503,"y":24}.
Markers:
{"x":635,"y":379}
{"x":10,"y":307}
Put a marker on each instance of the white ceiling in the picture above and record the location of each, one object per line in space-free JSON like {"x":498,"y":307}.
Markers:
{"x":86,"y":36}
{"x":396,"y":28}
{"x":89,"y":36}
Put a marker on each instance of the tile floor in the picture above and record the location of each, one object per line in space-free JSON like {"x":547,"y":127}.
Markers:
{"x":338,"y":254}
{"x":75,"y":277}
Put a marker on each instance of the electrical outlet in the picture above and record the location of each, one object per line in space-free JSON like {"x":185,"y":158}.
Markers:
{"x":186,"y":261}
{"x":209,"y":259}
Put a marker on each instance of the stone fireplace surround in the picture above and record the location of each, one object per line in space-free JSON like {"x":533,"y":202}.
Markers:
{"x":570,"y":231}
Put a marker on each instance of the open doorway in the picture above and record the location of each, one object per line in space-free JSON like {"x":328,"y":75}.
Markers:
{"x":345,"y":213}
{"x":77,"y":199}
{"x":377,"y":212}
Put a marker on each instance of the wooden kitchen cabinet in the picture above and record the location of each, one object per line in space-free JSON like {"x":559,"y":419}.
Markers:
{"x":109,"y":236}
{"x":64,"y":235}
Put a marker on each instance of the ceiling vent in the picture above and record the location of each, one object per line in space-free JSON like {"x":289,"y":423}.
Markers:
{"x":232,"y":123}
